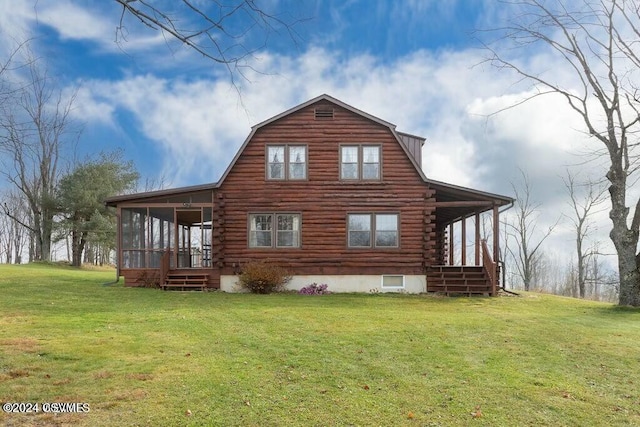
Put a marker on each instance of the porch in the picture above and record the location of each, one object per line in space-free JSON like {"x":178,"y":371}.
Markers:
{"x":456,"y":271}
{"x":170,"y":239}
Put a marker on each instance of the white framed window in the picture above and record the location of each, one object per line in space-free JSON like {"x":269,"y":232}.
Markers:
{"x":359,"y":230}
{"x":366,"y":230}
{"x":349,"y":162}
{"x":287,"y":231}
{"x":297,"y":162}
{"x":392,"y":281}
{"x":360,"y":162}
{"x":386,"y":230}
{"x":269,"y":230}
{"x":371,"y":162}
{"x":286,"y":162}
{"x":275,"y":161}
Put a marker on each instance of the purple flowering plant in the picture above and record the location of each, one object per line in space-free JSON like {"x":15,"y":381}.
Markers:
{"x":315,"y":289}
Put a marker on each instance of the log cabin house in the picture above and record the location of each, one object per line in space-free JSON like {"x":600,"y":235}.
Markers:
{"x":333,"y":194}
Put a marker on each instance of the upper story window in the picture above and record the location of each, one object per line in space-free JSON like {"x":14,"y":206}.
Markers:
{"x":372,"y":230}
{"x":360,"y":162}
{"x":286,"y":162}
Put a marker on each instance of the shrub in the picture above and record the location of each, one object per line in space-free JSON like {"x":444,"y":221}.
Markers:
{"x":260,"y":277}
{"x":149,"y":279}
{"x":315,"y":289}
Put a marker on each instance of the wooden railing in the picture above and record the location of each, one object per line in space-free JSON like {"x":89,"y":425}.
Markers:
{"x":165,"y":262}
{"x":489,"y":267}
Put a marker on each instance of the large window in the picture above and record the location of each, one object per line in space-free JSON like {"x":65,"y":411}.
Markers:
{"x":286,"y":162}
{"x":268,"y":230}
{"x":360,"y":162}
{"x":148,"y":232}
{"x":372,"y":230}
{"x":134,"y":237}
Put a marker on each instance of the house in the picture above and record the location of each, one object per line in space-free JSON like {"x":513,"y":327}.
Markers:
{"x":330,"y":192}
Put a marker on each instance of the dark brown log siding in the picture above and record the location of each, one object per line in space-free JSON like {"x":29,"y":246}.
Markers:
{"x":324,"y":201}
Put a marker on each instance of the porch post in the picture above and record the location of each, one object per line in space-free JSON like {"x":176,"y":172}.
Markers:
{"x":496,"y":233}
{"x":176,"y":242}
{"x":463,"y":240}
{"x":477,"y":242}
{"x":144,"y":232}
{"x":451,"y":243}
{"x":119,"y":254}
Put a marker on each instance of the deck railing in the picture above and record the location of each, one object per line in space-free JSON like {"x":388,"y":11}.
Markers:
{"x":165,"y":263}
{"x":489,"y":267}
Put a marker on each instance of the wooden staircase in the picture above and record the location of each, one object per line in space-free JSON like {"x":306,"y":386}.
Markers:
{"x":458,"y":280}
{"x":185,"y":281}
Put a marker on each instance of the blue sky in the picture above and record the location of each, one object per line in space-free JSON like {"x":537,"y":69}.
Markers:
{"x":351,"y":45}
{"x":414,"y":63}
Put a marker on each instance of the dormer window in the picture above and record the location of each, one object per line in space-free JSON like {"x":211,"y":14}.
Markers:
{"x":286,"y":162}
{"x":360,"y":162}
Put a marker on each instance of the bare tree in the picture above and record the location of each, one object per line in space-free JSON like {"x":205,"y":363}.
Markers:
{"x":6,"y":242}
{"x":570,"y":282}
{"x":35,"y":129}
{"x":13,"y":235}
{"x":227,"y":32}
{"x":595,"y":272}
{"x":9,"y":65}
{"x":582,"y":207}
{"x":522,"y":229}
{"x":550,"y":272}
{"x":604,"y":283}
{"x":598,"y":43}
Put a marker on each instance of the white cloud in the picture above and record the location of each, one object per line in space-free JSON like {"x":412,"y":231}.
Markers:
{"x":13,"y":16}
{"x":89,"y":109}
{"x":196,"y":124}
{"x":95,"y":23}
{"x":436,"y":96}
{"x":74,"y":22}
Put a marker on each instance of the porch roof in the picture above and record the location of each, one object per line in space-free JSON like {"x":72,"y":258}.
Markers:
{"x":454,"y":202}
{"x":139,"y":197}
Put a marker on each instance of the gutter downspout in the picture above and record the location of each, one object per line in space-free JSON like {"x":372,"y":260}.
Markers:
{"x":115,"y":281}
{"x":117,"y":253}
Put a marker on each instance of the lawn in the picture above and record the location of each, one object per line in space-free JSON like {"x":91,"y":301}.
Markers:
{"x":143,"y":357}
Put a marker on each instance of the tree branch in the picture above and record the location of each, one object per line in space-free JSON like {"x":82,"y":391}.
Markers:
{"x":8,"y":213}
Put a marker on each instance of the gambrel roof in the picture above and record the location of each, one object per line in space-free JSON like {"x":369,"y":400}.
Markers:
{"x":337,"y":102}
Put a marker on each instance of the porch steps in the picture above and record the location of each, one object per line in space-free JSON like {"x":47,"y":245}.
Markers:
{"x":458,"y":280}
{"x":184,"y":281}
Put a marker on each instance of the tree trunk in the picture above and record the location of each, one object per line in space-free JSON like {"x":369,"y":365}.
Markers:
{"x":78,"y":242}
{"x":625,"y":244}
{"x":624,"y":239}
{"x":31,"y":246}
{"x":43,"y":229}
{"x":581,"y":259}
{"x":89,"y":254}
{"x":581,"y":274}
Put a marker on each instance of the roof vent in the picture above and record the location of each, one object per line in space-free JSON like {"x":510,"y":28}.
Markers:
{"x":324,"y":113}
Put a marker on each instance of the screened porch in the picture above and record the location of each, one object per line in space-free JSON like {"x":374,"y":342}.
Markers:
{"x":148,"y":232}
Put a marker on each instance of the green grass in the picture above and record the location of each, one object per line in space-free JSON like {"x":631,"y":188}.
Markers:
{"x":145,"y":357}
